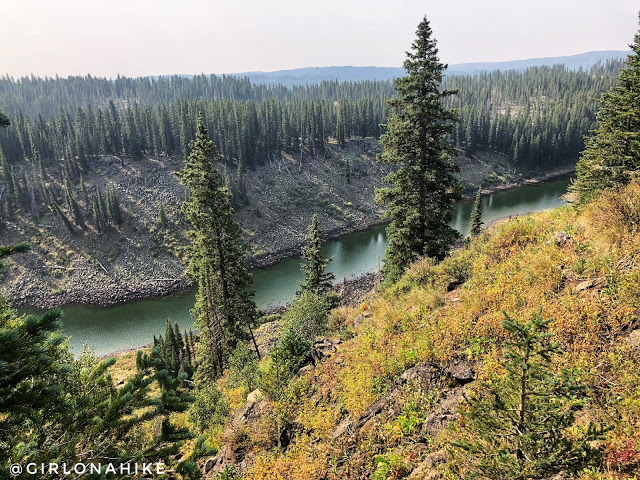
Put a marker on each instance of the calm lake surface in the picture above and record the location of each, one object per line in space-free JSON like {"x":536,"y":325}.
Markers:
{"x":133,"y":324}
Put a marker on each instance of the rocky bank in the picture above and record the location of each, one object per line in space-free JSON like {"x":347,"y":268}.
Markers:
{"x":143,"y":258}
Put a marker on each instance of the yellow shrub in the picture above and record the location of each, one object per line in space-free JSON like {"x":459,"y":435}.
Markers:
{"x":515,"y":267}
{"x":342,"y":317}
{"x":615,"y":215}
{"x":304,"y":461}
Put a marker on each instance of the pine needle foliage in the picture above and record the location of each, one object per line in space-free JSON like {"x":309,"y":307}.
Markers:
{"x":8,"y":250}
{"x":424,"y":187}
{"x":60,"y":409}
{"x":612,"y":155}
{"x":316,"y":280}
{"x":224,"y":309}
{"x":476,"y":215}
{"x":174,"y":350}
{"x":518,"y":425}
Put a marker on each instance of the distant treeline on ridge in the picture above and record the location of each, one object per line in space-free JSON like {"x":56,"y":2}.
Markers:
{"x":538,"y":118}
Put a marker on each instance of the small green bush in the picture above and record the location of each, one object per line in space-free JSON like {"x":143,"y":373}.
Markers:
{"x":243,"y":367}
{"x":209,"y":410}
{"x":308,"y":315}
{"x":290,"y":353}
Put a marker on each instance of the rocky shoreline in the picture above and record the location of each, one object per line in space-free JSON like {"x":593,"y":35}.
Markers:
{"x":118,"y":294}
{"x":170,"y":279}
{"x":529,"y":181}
{"x":100,"y":297}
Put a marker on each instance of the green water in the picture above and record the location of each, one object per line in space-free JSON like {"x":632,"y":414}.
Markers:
{"x":134,"y":324}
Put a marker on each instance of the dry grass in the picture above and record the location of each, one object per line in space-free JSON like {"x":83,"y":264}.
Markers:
{"x":517,"y":267}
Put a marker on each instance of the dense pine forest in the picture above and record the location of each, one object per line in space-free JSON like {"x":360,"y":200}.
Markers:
{"x":537,"y":118}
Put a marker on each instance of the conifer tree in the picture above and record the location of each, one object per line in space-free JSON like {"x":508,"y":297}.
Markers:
{"x":224,"y":310}
{"x":4,"y":120}
{"x":72,"y":203}
{"x":468,"y":142}
{"x":113,"y":204}
{"x":516,"y":425}
{"x":192,"y":339}
{"x":424,"y":187}
{"x":43,"y":169}
{"x":612,"y":155}
{"x":476,"y":215}
{"x":101,"y":207}
{"x":9,"y":178}
{"x":98,"y":213}
{"x":180,"y":348}
{"x":347,"y":171}
{"x":188,"y":347}
{"x":162,"y":216}
{"x":85,"y":194}
{"x":171,"y":350}
{"x":316,"y":279}
{"x":174,"y":351}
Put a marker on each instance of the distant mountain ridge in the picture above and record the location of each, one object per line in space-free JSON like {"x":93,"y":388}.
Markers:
{"x":572,"y":62}
{"x":310,"y":75}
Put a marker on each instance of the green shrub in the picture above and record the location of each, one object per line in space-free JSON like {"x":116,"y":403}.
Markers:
{"x":308,"y":315}
{"x":210,"y":409}
{"x":458,"y":267}
{"x":243,"y":367}
{"x":389,"y":465}
{"x":290,"y":353}
{"x":228,"y":474}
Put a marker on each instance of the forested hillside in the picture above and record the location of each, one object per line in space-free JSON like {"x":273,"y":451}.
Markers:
{"x":87,"y":163}
{"x":538,"y":118}
{"x":61,"y":127}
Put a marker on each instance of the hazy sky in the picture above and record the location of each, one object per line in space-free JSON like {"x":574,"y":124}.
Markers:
{"x":151,"y":37}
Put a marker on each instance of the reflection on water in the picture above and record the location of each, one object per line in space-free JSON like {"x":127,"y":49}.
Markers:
{"x":134,"y":324}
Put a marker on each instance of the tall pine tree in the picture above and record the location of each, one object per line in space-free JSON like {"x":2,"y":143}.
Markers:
{"x":113,"y":204}
{"x":424,"y":186}
{"x":316,"y":279}
{"x":224,"y":310}
{"x":476,"y":215}
{"x":612,"y":155}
